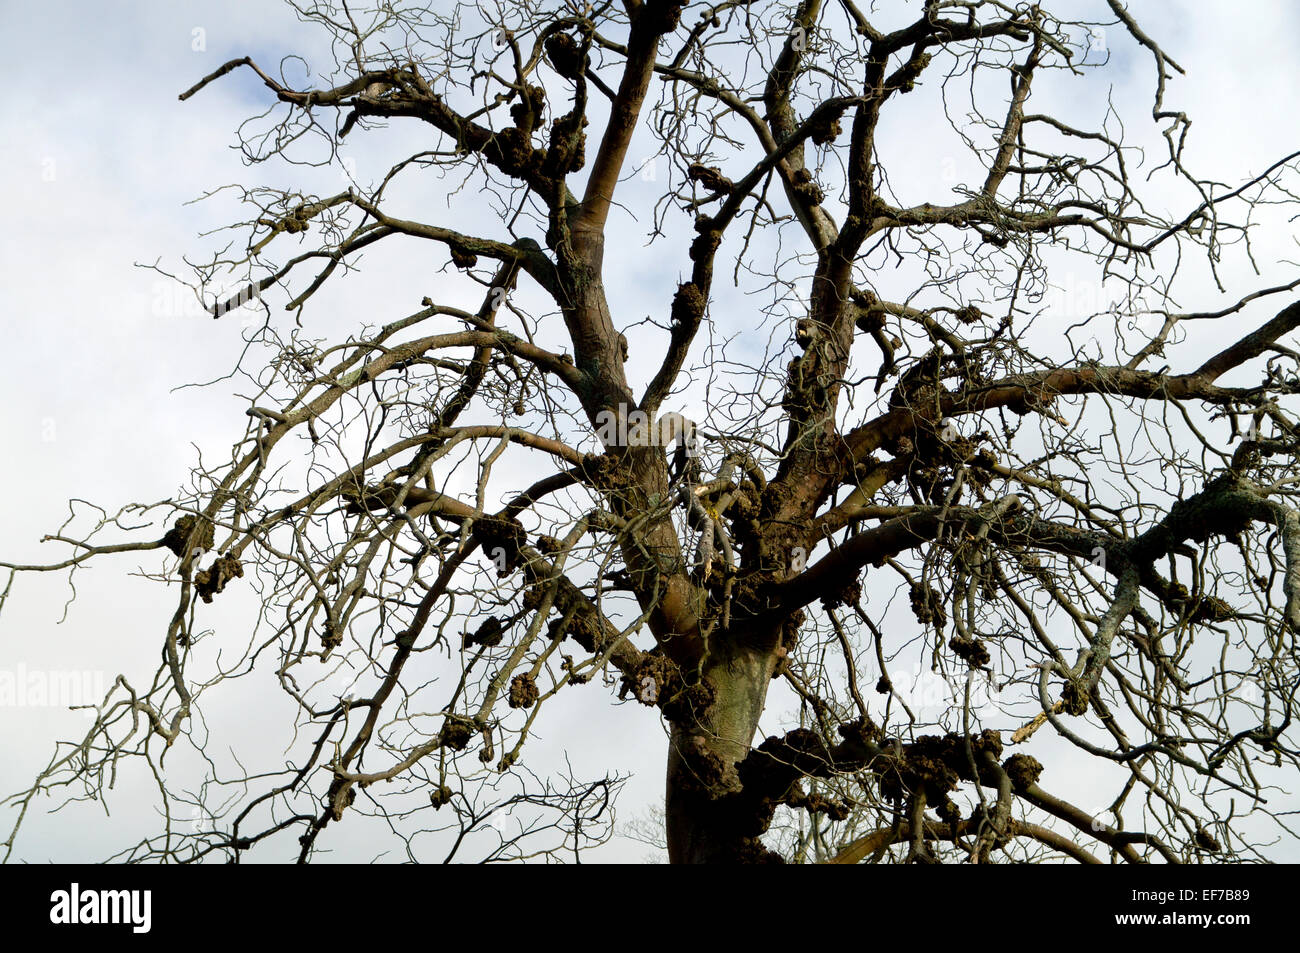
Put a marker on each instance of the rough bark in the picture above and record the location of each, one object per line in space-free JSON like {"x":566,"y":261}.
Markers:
{"x":704,"y":825}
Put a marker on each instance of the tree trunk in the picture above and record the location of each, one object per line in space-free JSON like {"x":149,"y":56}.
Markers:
{"x":705,"y":825}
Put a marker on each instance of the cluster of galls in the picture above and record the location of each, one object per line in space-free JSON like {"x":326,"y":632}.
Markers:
{"x":741,"y":800}
{"x":683,"y":700}
{"x":804,"y":186}
{"x":660,"y":18}
{"x":1074,"y":698}
{"x":849,"y":595}
{"x":1023,"y":770}
{"x":178,"y":534}
{"x":331,"y":635}
{"x":927,"y":605}
{"x":934,"y":483}
{"x":904,"y":80}
{"x":212,"y":580}
{"x":921,"y":386}
{"x":600,"y":471}
{"x":828,"y":128}
{"x":532,"y":598}
{"x":973,"y":651}
{"x":462,"y":258}
{"x":340,"y":797}
{"x":1199,"y":607}
{"x":549,"y":545}
{"x":834,"y":808}
{"x":1212,"y":609}
{"x":489,"y":634}
{"x":805,"y":389}
{"x":771,"y":774}
{"x":566,"y":150}
{"x":296,"y":221}
{"x":527,"y":112}
{"x":523,"y":691}
{"x":936,"y":461}
{"x":566,"y":56}
{"x":934,"y":765}
{"x":688,"y":305}
{"x":515,"y":154}
{"x":456,"y":732}
{"x":503,"y":534}
{"x":583,"y":628}
{"x":787,"y":639}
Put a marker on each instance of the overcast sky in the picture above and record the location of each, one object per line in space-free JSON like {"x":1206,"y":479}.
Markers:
{"x":101,"y":158}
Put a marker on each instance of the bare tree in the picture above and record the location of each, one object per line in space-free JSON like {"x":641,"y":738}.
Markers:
{"x":493,"y":501}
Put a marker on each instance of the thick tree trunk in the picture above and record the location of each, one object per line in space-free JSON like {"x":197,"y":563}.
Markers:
{"x":704,"y":825}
